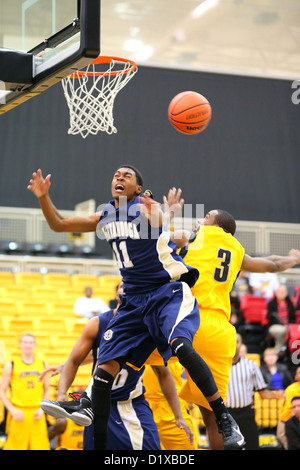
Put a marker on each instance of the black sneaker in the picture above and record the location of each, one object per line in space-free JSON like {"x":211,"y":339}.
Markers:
{"x":233,"y":439}
{"x":78,"y":410}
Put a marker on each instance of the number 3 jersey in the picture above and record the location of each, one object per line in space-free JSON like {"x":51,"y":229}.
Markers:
{"x":146,"y":256}
{"x":218,"y":256}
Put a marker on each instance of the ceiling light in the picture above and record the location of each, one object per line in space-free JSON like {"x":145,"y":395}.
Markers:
{"x":203,"y":8}
{"x":133,"y":44}
{"x":144,"y":53}
{"x":121,"y":7}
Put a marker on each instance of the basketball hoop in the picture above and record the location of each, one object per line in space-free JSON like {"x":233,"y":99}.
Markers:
{"x":90,"y":94}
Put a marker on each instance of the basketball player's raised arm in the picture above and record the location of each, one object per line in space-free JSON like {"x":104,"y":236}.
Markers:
{"x":151,"y":210}
{"x":272,"y":264}
{"x":40,"y":188}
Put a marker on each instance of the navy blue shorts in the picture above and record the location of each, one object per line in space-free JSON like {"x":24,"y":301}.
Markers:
{"x":144,"y":322}
{"x":130,"y":427}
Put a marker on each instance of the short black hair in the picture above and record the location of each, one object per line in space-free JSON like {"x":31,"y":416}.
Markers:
{"x":295,"y":398}
{"x":226,"y":221}
{"x":138,"y":174}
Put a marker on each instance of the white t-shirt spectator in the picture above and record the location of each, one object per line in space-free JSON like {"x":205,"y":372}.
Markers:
{"x":264,"y":284}
{"x":87,"y":307}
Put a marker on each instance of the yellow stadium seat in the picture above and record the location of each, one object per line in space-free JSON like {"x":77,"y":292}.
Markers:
{"x":2,"y":352}
{"x":5,"y":322}
{"x":9,"y":307}
{"x":34,"y":308}
{"x":66,"y":340}
{"x":63,"y":309}
{"x":83,"y":377}
{"x":82,"y":280}
{"x":109,"y":283}
{"x":267,"y":412}
{"x":9,"y":338}
{"x":23,"y":324}
{"x":43,"y":340}
{"x":254,"y":357}
{"x":76,"y":325}
{"x":57,"y":279}
{"x":6,"y":278}
{"x":69,"y":295}
{"x":52,"y":324}
{"x":55,"y":358}
{"x":44,"y":290}
{"x":16,"y":292}
{"x":28,"y":278}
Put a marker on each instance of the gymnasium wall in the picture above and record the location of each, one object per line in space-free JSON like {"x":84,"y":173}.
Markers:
{"x":247,"y":160}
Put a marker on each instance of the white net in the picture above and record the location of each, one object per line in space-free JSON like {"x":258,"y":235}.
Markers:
{"x":90,"y":95}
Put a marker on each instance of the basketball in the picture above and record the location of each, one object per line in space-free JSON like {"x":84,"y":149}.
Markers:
{"x":189,"y":112}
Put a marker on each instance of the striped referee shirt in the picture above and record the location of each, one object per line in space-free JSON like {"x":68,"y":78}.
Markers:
{"x":245,"y":379}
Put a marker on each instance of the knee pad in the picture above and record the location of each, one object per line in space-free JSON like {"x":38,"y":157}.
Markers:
{"x":102,"y":379}
{"x":181,"y":347}
{"x":195,"y":365}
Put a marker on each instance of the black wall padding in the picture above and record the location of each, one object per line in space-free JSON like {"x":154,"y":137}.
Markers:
{"x":247,"y":161}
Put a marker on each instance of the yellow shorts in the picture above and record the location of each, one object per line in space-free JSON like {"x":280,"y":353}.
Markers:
{"x":171,"y":437}
{"x":215,"y":342}
{"x":29,"y":434}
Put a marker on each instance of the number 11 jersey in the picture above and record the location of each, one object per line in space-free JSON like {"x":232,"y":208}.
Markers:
{"x":146,"y":256}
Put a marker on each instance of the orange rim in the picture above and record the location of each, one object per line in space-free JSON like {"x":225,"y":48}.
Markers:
{"x":106,"y":60}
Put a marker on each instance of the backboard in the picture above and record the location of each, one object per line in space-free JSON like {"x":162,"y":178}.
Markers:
{"x":43,"y":41}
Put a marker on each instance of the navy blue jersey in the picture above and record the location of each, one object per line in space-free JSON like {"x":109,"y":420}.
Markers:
{"x":146,"y":256}
{"x":131,"y":425}
{"x":128,"y":383}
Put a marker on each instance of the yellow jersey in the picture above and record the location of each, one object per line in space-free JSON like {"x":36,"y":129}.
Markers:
{"x":290,"y":392}
{"x":72,"y":438}
{"x":26,"y":390}
{"x":151,"y":383}
{"x":218,"y":256}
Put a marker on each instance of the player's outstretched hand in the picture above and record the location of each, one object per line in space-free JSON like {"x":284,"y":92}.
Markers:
{"x":174,"y":202}
{"x":151,"y":210}
{"x":296,"y":254}
{"x":52,"y":370}
{"x":38,"y":185}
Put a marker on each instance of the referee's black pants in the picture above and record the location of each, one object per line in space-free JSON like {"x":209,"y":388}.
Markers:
{"x":245,"y":418}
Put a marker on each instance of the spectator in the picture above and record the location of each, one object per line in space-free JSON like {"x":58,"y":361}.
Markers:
{"x":276,"y":375}
{"x":263,"y":284}
{"x":27,"y":429}
{"x":241,"y":285}
{"x":292,"y":426}
{"x":291,"y":391}
{"x":88,"y":306}
{"x":246,"y":378}
{"x":281,"y":312}
{"x":68,"y":435}
{"x":113,"y":303}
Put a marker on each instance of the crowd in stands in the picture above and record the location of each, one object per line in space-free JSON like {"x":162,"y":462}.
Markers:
{"x":266,"y":315}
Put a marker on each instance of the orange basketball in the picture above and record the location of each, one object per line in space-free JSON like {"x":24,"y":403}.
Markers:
{"x":189,"y":112}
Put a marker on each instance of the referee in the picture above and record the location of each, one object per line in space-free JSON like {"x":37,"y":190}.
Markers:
{"x":245,"y":379}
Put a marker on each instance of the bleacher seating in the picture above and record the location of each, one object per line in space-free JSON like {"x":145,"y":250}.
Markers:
{"x":267,"y":412}
{"x":254,"y":309}
{"x":293,"y":337}
{"x":42,"y":304}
